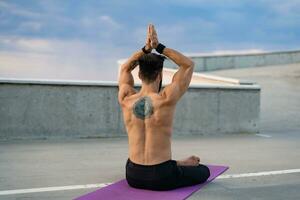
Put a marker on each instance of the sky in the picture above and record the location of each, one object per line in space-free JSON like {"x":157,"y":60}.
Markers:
{"x":82,"y":40}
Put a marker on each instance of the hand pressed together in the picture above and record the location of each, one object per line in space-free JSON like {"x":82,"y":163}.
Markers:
{"x":151,"y":39}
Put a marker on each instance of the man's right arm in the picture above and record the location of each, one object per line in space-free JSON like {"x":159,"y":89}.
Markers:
{"x":182,"y":78}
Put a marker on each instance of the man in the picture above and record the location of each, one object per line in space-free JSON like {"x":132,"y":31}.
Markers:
{"x":148,"y":117}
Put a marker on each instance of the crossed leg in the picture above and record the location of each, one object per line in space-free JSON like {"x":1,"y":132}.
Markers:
{"x":191,"y":172}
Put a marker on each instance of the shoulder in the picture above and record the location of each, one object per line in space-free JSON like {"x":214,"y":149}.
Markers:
{"x":170,"y":95}
{"x":125,"y":91}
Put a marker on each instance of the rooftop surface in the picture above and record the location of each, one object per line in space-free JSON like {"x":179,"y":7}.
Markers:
{"x":264,"y":165}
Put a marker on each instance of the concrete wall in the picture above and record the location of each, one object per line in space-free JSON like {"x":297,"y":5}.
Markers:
{"x":45,"y":109}
{"x":218,"y":62}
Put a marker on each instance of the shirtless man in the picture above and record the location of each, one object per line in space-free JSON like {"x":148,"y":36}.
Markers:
{"x":148,"y":117}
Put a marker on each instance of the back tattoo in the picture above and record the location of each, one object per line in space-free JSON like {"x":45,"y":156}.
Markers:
{"x":143,"y":108}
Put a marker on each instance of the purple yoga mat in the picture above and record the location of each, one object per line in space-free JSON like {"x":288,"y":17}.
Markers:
{"x":122,"y":191}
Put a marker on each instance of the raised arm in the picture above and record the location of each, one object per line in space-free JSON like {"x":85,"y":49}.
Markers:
{"x":182,"y":78}
{"x":126,"y":81}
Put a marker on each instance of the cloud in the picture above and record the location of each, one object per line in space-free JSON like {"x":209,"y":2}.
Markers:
{"x":284,"y":14}
{"x":30,"y":26}
{"x":64,"y":59}
{"x":90,"y":36}
{"x":109,"y":21}
{"x":209,"y":3}
{"x":284,"y":7}
{"x":103,"y":21}
{"x":102,"y":27}
{"x":17,"y":10}
{"x":26,"y":44}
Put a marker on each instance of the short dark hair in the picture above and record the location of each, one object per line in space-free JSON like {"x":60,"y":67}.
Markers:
{"x":151,"y":65}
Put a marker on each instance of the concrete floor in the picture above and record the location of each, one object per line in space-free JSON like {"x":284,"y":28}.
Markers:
{"x":47,"y":163}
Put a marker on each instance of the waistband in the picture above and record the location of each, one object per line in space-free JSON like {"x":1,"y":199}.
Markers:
{"x":149,"y":166}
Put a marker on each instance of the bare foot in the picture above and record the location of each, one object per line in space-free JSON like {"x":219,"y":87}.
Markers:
{"x":190,"y":161}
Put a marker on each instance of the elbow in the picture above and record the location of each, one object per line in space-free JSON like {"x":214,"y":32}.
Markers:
{"x":124,"y":68}
{"x":190,"y":64}
{"x":187,"y":64}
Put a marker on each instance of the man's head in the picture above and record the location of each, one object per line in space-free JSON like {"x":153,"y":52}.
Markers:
{"x":151,"y":66}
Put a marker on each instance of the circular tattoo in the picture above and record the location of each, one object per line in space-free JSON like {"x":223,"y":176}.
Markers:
{"x":143,"y":108}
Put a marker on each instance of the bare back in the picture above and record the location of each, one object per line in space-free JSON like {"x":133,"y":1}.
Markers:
{"x":148,"y":120}
{"x":148,"y":116}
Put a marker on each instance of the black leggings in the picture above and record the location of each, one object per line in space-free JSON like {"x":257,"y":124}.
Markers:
{"x":164,"y":176}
